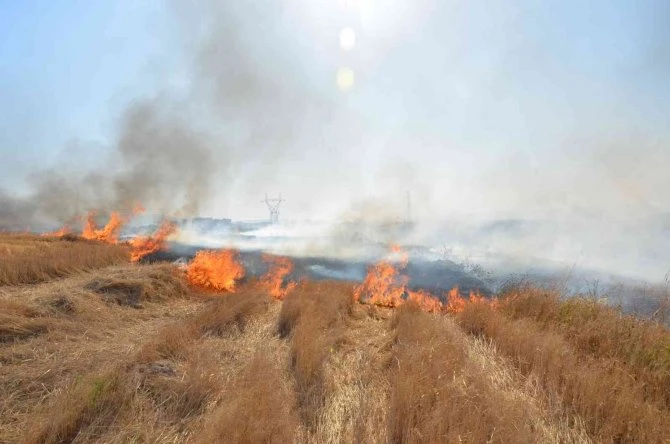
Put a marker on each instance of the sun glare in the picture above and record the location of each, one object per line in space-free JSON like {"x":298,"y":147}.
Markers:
{"x":347,"y":39}
{"x":345,"y":79}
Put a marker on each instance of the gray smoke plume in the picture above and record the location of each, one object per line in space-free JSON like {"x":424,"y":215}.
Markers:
{"x":160,"y":162}
{"x":545,"y":114}
{"x":164,"y":161}
{"x":247,"y":109}
{"x":15,"y":213}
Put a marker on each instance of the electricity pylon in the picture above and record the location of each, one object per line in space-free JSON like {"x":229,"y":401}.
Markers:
{"x":273,"y":206}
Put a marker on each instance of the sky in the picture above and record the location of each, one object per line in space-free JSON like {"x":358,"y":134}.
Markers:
{"x":482,"y":110}
{"x":66,"y":71}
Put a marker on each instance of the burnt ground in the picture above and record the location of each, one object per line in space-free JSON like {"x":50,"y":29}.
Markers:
{"x":434,"y":276}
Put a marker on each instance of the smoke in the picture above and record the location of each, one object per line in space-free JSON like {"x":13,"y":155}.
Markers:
{"x":164,"y":161}
{"x":247,"y":112}
{"x":550,"y":114}
{"x":15,"y":213}
{"x":160,"y":161}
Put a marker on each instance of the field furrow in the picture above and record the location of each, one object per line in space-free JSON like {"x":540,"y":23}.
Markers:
{"x":138,"y":353}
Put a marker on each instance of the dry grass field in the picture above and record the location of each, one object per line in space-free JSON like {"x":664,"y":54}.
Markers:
{"x":94,"y":348}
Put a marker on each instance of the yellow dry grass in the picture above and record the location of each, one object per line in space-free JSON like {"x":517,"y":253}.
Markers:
{"x":602,"y":332}
{"x":610,"y":401}
{"x":28,"y":259}
{"x":125,"y":353}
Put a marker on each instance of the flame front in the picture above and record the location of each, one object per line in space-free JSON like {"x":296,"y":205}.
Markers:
{"x":215,"y":270}
{"x":456,"y":302}
{"x":383,"y":286}
{"x":89,"y":226}
{"x":273,"y":280}
{"x":426,"y":301}
{"x":109,"y":233}
{"x":142,"y":246}
{"x":65,"y":229}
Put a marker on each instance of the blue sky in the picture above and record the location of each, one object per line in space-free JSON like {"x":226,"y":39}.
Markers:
{"x":67,"y":69}
{"x":491,"y":89}
{"x":552,"y":110}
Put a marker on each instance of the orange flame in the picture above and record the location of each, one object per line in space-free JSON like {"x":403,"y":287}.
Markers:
{"x":137,"y":209}
{"x":404,"y":257}
{"x":477,"y":298}
{"x":456,"y":302}
{"x":109,"y":233}
{"x":426,"y":301}
{"x":382,"y":286}
{"x":89,"y":226}
{"x":385,"y":286}
{"x":273,"y":280}
{"x":65,"y":229}
{"x":215,"y":270}
{"x":142,"y":246}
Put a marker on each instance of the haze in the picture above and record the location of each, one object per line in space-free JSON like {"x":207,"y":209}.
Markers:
{"x":551,"y":116}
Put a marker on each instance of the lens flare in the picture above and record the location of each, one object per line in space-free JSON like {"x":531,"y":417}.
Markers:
{"x":345,"y":79}
{"x":347,"y":39}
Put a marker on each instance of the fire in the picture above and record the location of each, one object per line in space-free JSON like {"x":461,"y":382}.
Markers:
{"x":138,"y":209}
{"x":477,"y":298}
{"x":383,"y":286}
{"x":273,"y":280}
{"x":456,"y":302}
{"x":65,"y":229}
{"x":89,"y":226}
{"x":142,"y":246}
{"x":109,"y":233}
{"x":398,"y":251}
{"x":426,"y":301}
{"x":215,"y":270}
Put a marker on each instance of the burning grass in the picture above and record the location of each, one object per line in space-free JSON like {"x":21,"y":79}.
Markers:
{"x":33,"y":259}
{"x":80,"y":363}
{"x":215,"y":270}
{"x":107,"y":234}
{"x":143,"y":246}
{"x":386,"y":286}
{"x":274,"y":280}
{"x":19,"y":250}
